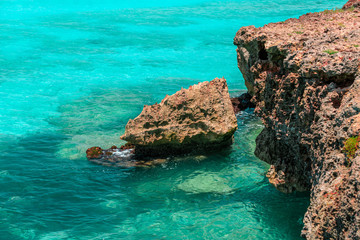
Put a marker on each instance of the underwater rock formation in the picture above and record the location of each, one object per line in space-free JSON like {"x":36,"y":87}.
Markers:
{"x":303,"y":75}
{"x":123,"y":157}
{"x":191,"y":120}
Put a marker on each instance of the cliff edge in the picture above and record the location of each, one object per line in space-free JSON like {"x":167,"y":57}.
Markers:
{"x":304,"y":77}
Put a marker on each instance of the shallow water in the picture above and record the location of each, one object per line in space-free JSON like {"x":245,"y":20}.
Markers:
{"x":71,"y":75}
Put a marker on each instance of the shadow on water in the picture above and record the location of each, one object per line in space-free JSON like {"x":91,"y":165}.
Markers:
{"x":222,"y":185}
{"x":222,"y":195}
{"x":44,"y":193}
{"x":99,"y":118}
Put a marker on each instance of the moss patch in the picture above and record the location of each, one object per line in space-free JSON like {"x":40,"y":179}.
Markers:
{"x":298,"y":32}
{"x":338,"y":10}
{"x":330,"y":52}
{"x":351,"y":146}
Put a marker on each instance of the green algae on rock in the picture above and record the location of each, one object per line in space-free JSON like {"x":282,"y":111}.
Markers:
{"x":351,"y":146}
{"x":194,"y":119}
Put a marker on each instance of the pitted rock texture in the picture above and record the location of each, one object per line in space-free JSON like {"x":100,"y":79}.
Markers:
{"x":194,"y":119}
{"x":304,"y":77}
{"x":352,"y":3}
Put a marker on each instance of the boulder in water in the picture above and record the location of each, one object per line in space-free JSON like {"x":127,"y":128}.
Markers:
{"x":198,"y":118}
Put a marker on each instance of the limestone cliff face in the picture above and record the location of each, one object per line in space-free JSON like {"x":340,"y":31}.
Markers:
{"x":201,"y":117}
{"x":304,"y":76}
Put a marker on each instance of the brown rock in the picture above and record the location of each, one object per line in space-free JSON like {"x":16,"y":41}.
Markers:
{"x":94,"y":152}
{"x":304,"y":76}
{"x":112,"y":157}
{"x":127,"y":146}
{"x":197,"y":118}
{"x":352,"y":3}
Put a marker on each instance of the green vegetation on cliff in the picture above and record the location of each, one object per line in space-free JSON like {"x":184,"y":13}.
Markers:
{"x":351,"y":146}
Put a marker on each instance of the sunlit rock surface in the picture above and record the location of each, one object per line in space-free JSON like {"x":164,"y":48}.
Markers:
{"x":194,"y":119}
{"x":304,"y":77}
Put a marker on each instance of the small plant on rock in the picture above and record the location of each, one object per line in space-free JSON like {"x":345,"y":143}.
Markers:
{"x":338,"y":10}
{"x":298,"y":32}
{"x":330,"y":52}
{"x":350,"y":147}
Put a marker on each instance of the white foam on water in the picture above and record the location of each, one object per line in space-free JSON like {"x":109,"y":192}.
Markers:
{"x":124,"y":153}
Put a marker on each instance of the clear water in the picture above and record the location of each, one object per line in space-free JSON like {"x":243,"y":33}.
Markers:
{"x":73,"y":72}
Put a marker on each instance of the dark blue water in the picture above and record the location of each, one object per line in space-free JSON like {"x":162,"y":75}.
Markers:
{"x":71,"y":75}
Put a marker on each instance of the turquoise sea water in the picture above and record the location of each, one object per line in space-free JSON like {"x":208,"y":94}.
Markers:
{"x":73,"y":72}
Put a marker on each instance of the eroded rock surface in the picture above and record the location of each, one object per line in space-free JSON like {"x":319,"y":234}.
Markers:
{"x":352,"y":3}
{"x":304,"y":77}
{"x":201,"y":117}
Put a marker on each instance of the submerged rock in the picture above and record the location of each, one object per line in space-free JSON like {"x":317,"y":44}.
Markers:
{"x":206,"y":183}
{"x":123,"y":157}
{"x":304,"y":77}
{"x":111,"y":157}
{"x":194,"y":119}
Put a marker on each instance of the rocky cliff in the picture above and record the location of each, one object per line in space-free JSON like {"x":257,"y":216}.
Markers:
{"x":303,"y":75}
{"x":194,"y":119}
